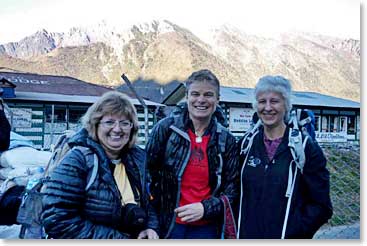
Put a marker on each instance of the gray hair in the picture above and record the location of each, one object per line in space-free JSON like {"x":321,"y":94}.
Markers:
{"x":277,"y":84}
{"x":203,"y":75}
{"x":112,"y":102}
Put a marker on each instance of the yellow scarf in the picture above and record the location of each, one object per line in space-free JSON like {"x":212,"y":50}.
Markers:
{"x":123,"y":184}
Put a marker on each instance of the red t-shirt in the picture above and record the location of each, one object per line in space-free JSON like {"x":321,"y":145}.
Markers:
{"x":195,"y":179}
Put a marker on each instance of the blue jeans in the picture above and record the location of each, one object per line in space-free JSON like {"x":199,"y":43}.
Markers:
{"x":181,"y":231}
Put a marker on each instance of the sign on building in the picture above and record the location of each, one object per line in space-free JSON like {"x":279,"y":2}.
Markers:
{"x":331,"y":137}
{"x":240,"y":118}
{"x":22,"y":117}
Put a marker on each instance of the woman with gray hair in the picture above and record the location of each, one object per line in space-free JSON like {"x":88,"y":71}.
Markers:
{"x":266,"y":210}
{"x":116,"y":205}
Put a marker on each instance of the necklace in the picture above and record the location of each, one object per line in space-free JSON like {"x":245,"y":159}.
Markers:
{"x":198,"y":138}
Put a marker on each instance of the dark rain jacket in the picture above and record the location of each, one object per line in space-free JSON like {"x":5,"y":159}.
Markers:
{"x":71,"y":212}
{"x":264,"y":183}
{"x":4,"y":132}
{"x":168,"y":152}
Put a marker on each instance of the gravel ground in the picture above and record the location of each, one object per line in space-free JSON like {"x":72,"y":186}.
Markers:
{"x":9,"y":232}
{"x":337,"y":232}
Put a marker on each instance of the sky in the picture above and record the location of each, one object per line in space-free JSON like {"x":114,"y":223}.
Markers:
{"x":338,"y":18}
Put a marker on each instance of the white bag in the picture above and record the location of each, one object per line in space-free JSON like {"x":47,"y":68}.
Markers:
{"x":24,"y":157}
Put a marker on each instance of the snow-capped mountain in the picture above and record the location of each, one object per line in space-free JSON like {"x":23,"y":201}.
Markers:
{"x":164,"y":51}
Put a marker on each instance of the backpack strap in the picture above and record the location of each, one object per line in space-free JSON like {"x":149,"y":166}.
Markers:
{"x":55,"y":152}
{"x":296,"y":142}
{"x":222,"y":137}
{"x":304,"y":121}
{"x":59,"y":150}
{"x":303,"y":118}
{"x":87,"y":152}
{"x":297,"y":145}
{"x":248,"y":139}
{"x":94,"y":172}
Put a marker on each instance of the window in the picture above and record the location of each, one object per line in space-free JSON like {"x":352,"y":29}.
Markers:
{"x":343,"y":124}
{"x":58,"y":116}
{"x":351,"y":125}
{"x":330,"y":123}
{"x":317,"y":123}
{"x":324,"y":124}
{"x":75,"y":113}
{"x":56,"y":120}
{"x":333,"y":123}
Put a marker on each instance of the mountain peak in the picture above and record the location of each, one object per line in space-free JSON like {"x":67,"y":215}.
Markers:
{"x":158,"y":26}
{"x":42,"y":31}
{"x":161,"y":50}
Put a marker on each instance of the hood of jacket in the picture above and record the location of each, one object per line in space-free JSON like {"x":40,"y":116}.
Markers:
{"x":82,"y":138}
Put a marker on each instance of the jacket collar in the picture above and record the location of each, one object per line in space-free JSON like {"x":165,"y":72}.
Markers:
{"x":283,"y":146}
{"x":82,"y":138}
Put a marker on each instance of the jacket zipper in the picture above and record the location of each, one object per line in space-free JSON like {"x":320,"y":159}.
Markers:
{"x":186,"y":136}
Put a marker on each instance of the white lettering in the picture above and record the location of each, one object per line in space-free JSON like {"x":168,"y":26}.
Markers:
{"x":27,"y":81}
{"x":330,"y":137}
{"x":240,"y":118}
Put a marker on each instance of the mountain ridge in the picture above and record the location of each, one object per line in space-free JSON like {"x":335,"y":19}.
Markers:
{"x":164,"y":51}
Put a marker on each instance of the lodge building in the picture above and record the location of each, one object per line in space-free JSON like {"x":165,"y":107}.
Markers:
{"x":41,"y":107}
{"x":337,"y":119}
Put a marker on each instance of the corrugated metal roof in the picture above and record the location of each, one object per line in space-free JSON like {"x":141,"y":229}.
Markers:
{"x":51,"y":97}
{"x":246,"y":95}
{"x":39,"y":87}
{"x":150,"y":89}
{"x":30,"y":82}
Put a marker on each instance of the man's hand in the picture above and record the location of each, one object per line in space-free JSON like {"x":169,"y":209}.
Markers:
{"x":190,"y":212}
{"x":148,"y":234}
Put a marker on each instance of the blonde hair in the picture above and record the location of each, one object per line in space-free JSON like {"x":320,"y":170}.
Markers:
{"x":115,"y":103}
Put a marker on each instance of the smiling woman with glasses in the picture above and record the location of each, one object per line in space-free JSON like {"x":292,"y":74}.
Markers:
{"x":116,"y":205}
{"x":123,"y":124}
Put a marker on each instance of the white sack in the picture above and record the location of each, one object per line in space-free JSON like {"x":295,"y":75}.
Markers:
{"x":24,"y":157}
{"x":4,"y":172}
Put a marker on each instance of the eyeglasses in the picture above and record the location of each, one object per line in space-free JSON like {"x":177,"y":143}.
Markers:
{"x":123,"y":124}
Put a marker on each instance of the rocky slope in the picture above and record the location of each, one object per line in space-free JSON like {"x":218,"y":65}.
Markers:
{"x":164,"y":51}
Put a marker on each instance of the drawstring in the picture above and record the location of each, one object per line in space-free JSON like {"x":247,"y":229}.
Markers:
{"x":246,"y":152}
{"x":252,"y":134}
{"x":289,"y":194}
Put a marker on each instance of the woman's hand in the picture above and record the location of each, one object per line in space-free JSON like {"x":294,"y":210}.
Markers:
{"x":190,"y":212}
{"x":148,"y":234}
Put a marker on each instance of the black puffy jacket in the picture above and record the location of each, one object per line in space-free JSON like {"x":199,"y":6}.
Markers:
{"x":71,"y":212}
{"x":4,"y":131}
{"x":168,"y":152}
{"x":264,"y":184}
